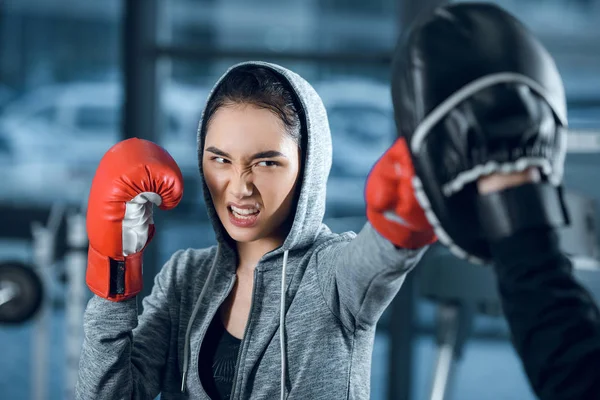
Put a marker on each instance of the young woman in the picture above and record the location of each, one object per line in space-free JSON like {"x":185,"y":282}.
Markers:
{"x":281,"y":306}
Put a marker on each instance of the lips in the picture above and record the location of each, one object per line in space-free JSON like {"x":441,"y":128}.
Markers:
{"x":243,"y":215}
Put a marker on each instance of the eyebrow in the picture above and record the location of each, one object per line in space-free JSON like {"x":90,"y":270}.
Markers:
{"x":218,"y":152}
{"x":267,"y":154}
{"x":260,"y":154}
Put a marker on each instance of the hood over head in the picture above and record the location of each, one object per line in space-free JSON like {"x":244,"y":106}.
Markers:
{"x":316,"y":161}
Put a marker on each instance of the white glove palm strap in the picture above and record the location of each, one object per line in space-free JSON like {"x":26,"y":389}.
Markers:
{"x":137,"y":221}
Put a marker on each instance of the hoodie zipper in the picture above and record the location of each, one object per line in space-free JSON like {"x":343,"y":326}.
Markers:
{"x":239,"y":356}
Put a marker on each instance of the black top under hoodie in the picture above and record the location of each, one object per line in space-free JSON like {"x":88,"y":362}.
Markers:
{"x":217,"y":360}
{"x":554,"y":322}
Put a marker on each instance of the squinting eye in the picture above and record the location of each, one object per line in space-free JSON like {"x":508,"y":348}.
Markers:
{"x":267,"y":163}
{"x":220,"y":160}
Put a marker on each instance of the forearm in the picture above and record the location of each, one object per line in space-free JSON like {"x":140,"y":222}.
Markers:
{"x":105,"y":369}
{"x":554,"y":322}
{"x":123,"y":355}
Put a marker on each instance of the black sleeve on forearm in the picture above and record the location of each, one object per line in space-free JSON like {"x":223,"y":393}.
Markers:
{"x":554,"y":322}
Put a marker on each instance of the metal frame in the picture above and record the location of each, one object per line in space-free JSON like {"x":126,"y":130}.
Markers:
{"x":141,"y":95}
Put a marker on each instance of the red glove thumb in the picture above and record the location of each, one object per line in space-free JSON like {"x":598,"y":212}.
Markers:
{"x":392,"y":207}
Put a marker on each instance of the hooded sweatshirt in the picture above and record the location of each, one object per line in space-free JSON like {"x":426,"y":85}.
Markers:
{"x":315,"y":303}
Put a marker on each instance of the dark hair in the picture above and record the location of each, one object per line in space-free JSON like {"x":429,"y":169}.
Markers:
{"x":262,"y":88}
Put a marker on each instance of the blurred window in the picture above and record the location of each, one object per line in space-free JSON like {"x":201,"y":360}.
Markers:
{"x":554,"y":17}
{"x":356,"y":6}
{"x":91,"y":119}
{"x":362,"y":123}
{"x":289,"y":26}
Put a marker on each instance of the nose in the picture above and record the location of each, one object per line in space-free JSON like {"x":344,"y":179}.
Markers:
{"x":241,"y":185}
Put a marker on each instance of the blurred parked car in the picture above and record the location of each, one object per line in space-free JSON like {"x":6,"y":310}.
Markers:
{"x":52,"y":139}
{"x":362,"y":127}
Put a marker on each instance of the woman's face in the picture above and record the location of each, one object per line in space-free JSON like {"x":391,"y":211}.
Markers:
{"x":251,"y":167}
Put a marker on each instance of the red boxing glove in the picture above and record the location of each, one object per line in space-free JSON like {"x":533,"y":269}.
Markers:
{"x":132,"y":176}
{"x":392,"y":207}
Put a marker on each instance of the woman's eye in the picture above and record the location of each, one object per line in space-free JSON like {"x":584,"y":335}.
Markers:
{"x":267,"y":163}
{"x":220,"y":160}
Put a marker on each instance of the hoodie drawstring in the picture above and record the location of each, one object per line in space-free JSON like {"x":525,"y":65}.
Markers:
{"x":282,"y":326}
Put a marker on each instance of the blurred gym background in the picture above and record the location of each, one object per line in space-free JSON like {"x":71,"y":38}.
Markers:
{"x":77,"y":76}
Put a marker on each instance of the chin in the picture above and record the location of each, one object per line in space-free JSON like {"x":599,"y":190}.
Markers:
{"x":243,"y":235}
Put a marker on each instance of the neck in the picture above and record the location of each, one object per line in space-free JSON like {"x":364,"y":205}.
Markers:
{"x":250,"y":253}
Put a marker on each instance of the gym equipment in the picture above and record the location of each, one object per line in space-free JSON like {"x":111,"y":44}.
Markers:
{"x":24,"y":288}
{"x":77,"y":296}
{"x":44,"y":245}
{"x":461,"y":289}
{"x":21,"y":292}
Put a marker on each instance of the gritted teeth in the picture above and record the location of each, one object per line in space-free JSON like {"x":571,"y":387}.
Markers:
{"x":244,"y":211}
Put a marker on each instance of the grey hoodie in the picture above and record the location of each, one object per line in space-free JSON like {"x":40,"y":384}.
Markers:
{"x":331,"y":287}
